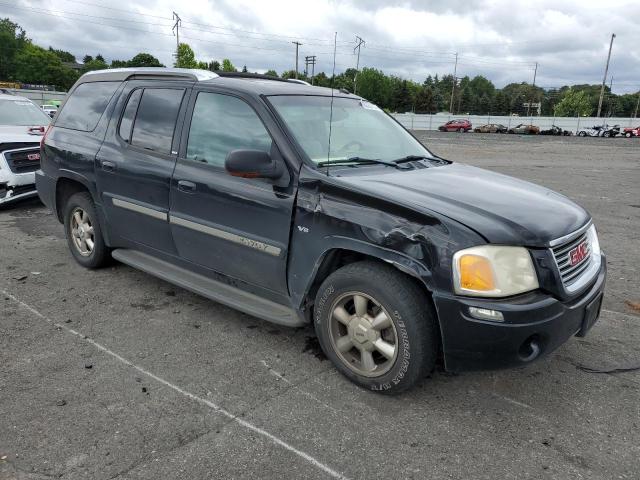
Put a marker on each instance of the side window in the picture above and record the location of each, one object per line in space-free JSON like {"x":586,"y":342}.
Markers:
{"x":85,"y":106}
{"x":129,"y":113}
{"x":222,"y":123}
{"x":156,"y":119}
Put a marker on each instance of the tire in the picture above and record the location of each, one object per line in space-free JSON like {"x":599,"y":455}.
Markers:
{"x":628,"y":134}
{"x":392,"y":299}
{"x":606,"y":134}
{"x":461,"y":130}
{"x":582,"y":134}
{"x":83,"y":232}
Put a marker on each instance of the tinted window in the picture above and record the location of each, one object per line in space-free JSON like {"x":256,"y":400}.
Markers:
{"x":156,"y":119}
{"x":85,"y":106}
{"x":222,"y":123}
{"x":129,"y":114}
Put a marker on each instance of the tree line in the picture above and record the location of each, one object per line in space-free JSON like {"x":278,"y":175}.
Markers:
{"x":23,"y":61}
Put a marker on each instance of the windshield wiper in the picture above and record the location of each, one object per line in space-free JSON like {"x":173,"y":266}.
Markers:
{"x":411,"y":158}
{"x":360,"y":161}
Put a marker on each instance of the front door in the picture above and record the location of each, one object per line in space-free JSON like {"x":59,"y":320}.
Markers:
{"x":238,"y":227}
{"x":135,"y":163}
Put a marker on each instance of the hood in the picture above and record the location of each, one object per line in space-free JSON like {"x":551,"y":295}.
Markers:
{"x":19,"y":134}
{"x":502,"y":209}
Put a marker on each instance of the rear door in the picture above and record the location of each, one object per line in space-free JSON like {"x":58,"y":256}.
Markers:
{"x":135,"y":163}
{"x":235,"y":226}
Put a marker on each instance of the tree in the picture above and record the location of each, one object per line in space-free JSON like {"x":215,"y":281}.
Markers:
{"x":143,"y":60}
{"x":227,"y":66}
{"x":34,"y":64}
{"x":94,"y":64}
{"x":185,"y":57}
{"x":118,"y":64}
{"x":12,"y":40}
{"x":100,"y":58}
{"x":87,"y":59}
{"x":271,"y":73}
{"x":214,"y":66}
{"x":244,"y":69}
{"x":63,"y":55}
{"x":574,"y":103}
{"x":424,"y":100}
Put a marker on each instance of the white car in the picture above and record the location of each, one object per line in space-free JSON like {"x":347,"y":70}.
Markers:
{"x":50,"y":110}
{"x":22,"y":124}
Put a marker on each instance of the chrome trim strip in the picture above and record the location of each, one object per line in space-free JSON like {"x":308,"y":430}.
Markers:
{"x":570,"y":236}
{"x":231,"y":237}
{"x":134,"y":207}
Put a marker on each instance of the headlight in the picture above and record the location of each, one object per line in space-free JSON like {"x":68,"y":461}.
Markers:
{"x":592,"y":235}
{"x":493,"y":271}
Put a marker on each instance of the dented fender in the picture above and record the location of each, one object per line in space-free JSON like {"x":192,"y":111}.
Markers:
{"x":329,"y":216}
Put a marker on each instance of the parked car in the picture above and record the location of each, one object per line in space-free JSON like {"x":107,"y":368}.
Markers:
{"x":525,"y":129}
{"x":50,"y":110}
{"x":456,"y":126}
{"x":632,"y":132}
{"x":22,"y":124}
{"x":491,"y":128}
{"x":555,"y":130}
{"x":236,"y":189}
{"x":600,"y":131}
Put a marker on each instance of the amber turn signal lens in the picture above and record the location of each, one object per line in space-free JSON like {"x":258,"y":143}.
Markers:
{"x":476,"y":273}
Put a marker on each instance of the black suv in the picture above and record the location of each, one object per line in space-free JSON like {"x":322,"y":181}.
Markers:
{"x":301,"y":204}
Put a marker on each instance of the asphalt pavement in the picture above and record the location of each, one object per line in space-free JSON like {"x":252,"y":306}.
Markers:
{"x":113,"y":374}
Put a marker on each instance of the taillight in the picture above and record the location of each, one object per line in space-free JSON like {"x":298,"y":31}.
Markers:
{"x":44,"y":137}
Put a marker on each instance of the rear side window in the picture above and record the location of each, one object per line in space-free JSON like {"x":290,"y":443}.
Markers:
{"x":156,"y":119}
{"x":85,"y":106}
{"x":129,"y":113}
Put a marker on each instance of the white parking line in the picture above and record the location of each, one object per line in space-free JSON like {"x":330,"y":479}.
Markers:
{"x":305,"y":456}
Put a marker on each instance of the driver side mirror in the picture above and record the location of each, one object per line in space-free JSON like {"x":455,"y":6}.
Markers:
{"x":252,"y":164}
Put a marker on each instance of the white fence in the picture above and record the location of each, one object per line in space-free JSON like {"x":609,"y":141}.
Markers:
{"x":414,"y":121}
{"x":41,"y":97}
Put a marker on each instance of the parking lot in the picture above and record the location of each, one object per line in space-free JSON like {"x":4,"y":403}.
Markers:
{"x":115,"y":374}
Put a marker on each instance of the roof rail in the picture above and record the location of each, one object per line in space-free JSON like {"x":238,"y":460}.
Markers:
{"x":122,"y":74}
{"x":261,"y":76}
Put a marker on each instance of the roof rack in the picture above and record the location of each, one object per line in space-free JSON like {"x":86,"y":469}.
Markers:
{"x":260,"y":76}
{"x":122,"y":74}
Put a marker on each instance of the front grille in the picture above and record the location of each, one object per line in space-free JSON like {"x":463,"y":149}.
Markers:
{"x":19,"y":161}
{"x":571,"y":273}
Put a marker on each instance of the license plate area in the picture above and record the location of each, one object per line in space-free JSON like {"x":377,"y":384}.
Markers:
{"x":591,"y":314}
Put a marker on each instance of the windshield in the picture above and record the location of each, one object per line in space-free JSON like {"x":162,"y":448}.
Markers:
{"x":21,"y":112}
{"x":358,"y":129}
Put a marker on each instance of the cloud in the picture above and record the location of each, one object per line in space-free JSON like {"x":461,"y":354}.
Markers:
{"x":499,"y":39}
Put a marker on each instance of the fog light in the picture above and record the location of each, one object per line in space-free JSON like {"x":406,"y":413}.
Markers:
{"x":486,"y":314}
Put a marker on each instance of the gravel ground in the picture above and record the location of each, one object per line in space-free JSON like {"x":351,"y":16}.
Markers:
{"x":115,"y":374}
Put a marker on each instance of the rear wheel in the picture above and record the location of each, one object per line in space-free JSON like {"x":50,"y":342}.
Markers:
{"x":376,"y":326}
{"x":628,"y":134}
{"x":461,"y":130}
{"x":83,"y":232}
{"x":606,"y":134}
{"x":582,"y":134}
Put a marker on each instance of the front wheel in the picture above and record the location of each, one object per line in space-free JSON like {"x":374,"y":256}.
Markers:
{"x":582,"y":134}
{"x":83,"y":232}
{"x":376,"y":326}
{"x":628,"y":134}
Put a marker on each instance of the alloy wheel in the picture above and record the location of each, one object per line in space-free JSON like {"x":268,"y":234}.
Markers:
{"x":363,"y":334}
{"x":82,"y":232}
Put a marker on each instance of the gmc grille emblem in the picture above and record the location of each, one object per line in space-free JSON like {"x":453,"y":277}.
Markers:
{"x":33,"y":156}
{"x":578,"y":254}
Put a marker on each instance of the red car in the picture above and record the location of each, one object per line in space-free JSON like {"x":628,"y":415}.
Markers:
{"x":456,"y":126}
{"x":631,"y":132}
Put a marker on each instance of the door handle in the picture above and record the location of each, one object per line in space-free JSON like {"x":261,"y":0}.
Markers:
{"x":108,"y":166}
{"x":186,"y":186}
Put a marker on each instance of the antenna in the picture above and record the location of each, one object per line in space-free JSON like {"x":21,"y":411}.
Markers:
{"x":333,"y":76}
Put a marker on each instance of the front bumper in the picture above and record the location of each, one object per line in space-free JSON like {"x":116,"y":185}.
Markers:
{"x":472,"y":344}
{"x":16,"y":186}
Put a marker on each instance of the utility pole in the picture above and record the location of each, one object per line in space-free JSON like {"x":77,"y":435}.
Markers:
{"x":637,"y":105}
{"x":535,"y":72}
{"x":297,"y":44}
{"x":606,"y":70}
{"x":176,"y":30}
{"x":310,"y":60}
{"x":359,"y":42}
{"x":453,"y":87}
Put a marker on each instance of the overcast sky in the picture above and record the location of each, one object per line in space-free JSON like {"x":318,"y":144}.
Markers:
{"x":501,"y":40}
